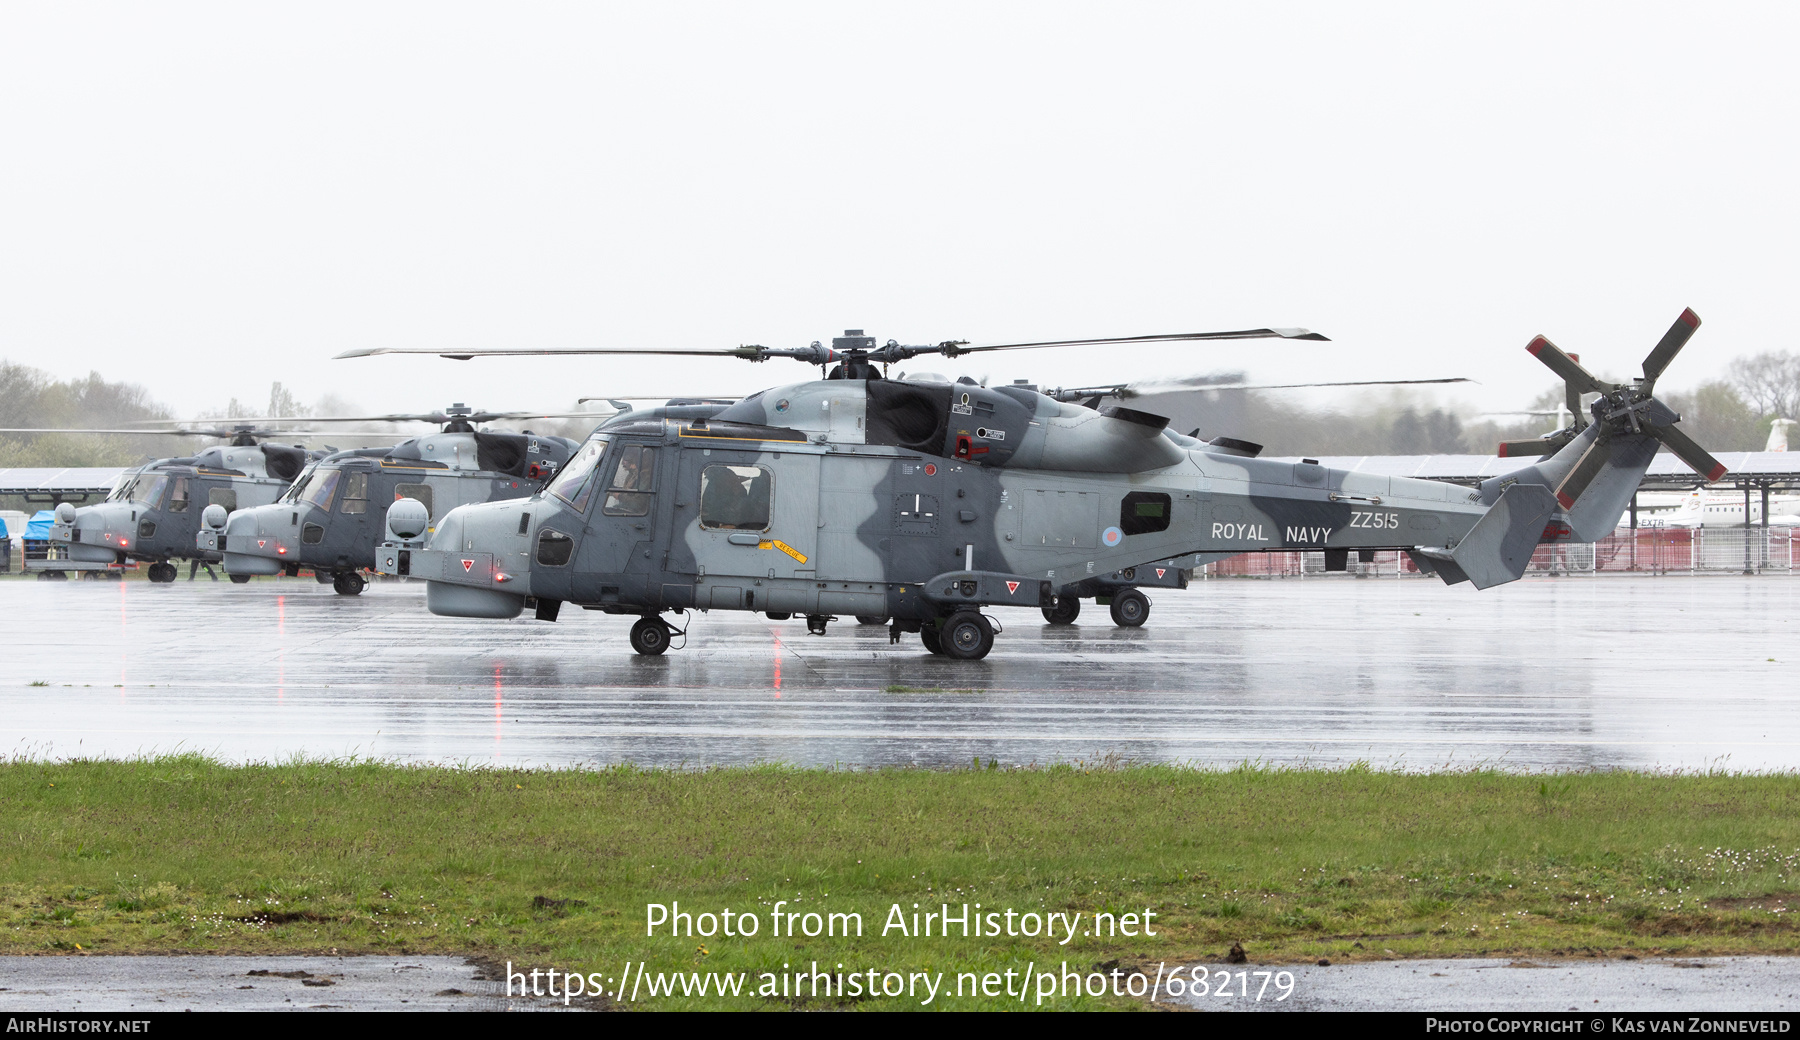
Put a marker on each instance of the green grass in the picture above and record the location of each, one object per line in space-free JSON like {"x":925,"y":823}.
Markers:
{"x":186,"y":855}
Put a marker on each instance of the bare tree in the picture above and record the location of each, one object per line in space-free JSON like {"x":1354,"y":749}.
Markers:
{"x":1770,"y":382}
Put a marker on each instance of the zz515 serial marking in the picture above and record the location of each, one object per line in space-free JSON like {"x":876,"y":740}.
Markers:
{"x":1362,"y":518}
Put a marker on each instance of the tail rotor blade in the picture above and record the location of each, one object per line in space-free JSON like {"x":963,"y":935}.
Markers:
{"x":1672,"y":342}
{"x":1688,"y":451}
{"x":1580,"y":380}
{"x":1592,"y":461}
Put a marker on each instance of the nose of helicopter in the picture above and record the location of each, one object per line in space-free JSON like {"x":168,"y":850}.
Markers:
{"x":251,"y":545}
{"x":96,"y":533}
{"x":480,"y":564}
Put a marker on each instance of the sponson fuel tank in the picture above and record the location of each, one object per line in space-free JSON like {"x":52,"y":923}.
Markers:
{"x":1004,"y":426}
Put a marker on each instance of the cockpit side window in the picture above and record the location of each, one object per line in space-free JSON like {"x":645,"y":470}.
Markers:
{"x":634,"y":477}
{"x":321,"y":489}
{"x":736,"y":497}
{"x":147,"y":491}
{"x":573,"y":485}
{"x":356,"y":492}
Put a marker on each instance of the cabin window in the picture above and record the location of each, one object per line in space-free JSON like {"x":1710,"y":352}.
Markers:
{"x":736,"y":498}
{"x":312,"y":534}
{"x":420,"y":493}
{"x":226,"y":497}
{"x":178,"y":499}
{"x":356,"y":492}
{"x":554,"y":548}
{"x":633,"y":479}
{"x":1144,"y":512}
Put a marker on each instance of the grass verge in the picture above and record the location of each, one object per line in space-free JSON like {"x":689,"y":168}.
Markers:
{"x":555,"y":868}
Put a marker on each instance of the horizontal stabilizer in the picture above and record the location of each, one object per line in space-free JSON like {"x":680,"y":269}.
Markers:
{"x":1499,"y":547}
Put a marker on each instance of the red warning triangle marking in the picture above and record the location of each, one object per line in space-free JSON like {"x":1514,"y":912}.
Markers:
{"x":262,"y":542}
{"x":1012,"y":587}
{"x":467,"y":564}
{"x":1160,"y":571}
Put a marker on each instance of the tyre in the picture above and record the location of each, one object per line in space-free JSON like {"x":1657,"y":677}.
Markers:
{"x":650,"y":636}
{"x":239,"y":579}
{"x":161,"y":573}
{"x":815,"y":624}
{"x":349,"y":584}
{"x":966,"y":636}
{"x":929,"y":636}
{"x":1130,"y":608}
{"x":869,"y":619}
{"x":1067,"y":609}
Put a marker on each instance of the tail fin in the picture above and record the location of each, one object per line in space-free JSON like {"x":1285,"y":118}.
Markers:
{"x":1499,"y":547}
{"x":1617,"y":466}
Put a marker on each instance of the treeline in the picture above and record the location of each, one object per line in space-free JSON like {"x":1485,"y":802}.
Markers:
{"x":32,"y":399}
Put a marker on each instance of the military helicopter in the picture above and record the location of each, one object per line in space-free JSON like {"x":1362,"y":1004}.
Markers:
{"x":155,"y":511}
{"x":332,"y":516}
{"x":928,"y":502}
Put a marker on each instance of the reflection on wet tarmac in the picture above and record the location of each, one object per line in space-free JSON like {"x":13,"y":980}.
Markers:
{"x":1547,"y":674}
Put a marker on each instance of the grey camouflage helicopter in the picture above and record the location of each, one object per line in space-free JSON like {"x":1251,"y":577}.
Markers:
{"x":928,"y":502}
{"x":154,"y":513}
{"x":332,"y":516}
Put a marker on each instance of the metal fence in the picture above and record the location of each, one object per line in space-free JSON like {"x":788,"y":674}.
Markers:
{"x":1659,"y":551}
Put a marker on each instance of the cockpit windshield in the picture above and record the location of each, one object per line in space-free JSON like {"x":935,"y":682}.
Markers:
{"x":147,"y":490}
{"x":292,"y":494}
{"x":321,"y":488}
{"x":574,"y":484}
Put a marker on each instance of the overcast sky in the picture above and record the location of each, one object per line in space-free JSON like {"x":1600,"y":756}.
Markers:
{"x":206,"y":198}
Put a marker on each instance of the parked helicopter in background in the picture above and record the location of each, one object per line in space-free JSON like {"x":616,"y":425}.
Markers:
{"x":331,"y":517}
{"x":154,"y":513}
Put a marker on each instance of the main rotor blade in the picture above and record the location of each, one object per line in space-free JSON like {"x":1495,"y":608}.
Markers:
{"x":1688,"y":451}
{"x":1179,"y":385}
{"x":1592,"y":461}
{"x":1579,"y":379}
{"x":1173,"y":337}
{"x":127,"y":433}
{"x":1671,"y":344}
{"x":752,"y":352}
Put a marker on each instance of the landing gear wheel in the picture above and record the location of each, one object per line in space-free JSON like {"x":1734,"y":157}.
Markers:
{"x":966,"y":636}
{"x":650,"y":636}
{"x":815,"y":624}
{"x":929,"y":636}
{"x":238,"y":579}
{"x":1130,"y":608}
{"x":870,"y":619}
{"x":348,"y":583}
{"x":161,"y":573}
{"x":1067,"y":609}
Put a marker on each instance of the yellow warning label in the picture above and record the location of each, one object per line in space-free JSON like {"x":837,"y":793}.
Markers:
{"x":799,"y":557}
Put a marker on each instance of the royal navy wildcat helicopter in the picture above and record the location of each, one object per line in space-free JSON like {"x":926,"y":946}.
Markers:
{"x":928,"y":502}
{"x":334,"y":513}
{"x":155,"y":511}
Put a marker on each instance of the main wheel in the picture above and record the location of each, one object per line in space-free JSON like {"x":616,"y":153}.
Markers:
{"x":650,"y":636}
{"x":1129,"y":608}
{"x":238,"y":579}
{"x":870,"y":619}
{"x":161,"y":573}
{"x":1067,"y":609}
{"x":348,"y":583}
{"x":929,"y":636}
{"x":967,"y":636}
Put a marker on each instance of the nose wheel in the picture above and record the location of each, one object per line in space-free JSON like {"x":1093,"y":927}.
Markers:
{"x":1067,"y":609}
{"x":650,"y":636}
{"x":348,"y":583}
{"x":161,"y":573}
{"x":965,"y":636}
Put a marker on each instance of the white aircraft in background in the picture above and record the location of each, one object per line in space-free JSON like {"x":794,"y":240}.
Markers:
{"x":1708,"y":507}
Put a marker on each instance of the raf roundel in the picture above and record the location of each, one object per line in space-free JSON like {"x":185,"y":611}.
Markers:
{"x":1112,"y":536}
